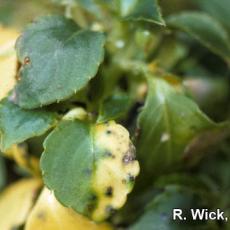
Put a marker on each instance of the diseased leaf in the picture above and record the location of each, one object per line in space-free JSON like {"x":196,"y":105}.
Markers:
{"x":8,"y":60}
{"x":16,"y":202}
{"x":58,"y":68}
{"x":169,"y":123}
{"x":17,"y":125}
{"x":92,"y":169}
{"x":49,"y":214}
{"x":205,"y":29}
{"x":158,"y":214}
{"x":144,"y":10}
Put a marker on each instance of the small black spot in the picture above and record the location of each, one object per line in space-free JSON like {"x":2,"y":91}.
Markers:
{"x":108,"y":132}
{"x":110,"y":210}
{"x":93,"y":197}
{"x":131,"y":178}
{"x":109,"y":191}
{"x":90,"y":207}
{"x":109,"y":154}
{"x":92,"y":204}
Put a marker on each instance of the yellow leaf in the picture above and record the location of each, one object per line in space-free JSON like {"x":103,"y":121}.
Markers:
{"x":49,"y":214}
{"x":8,"y":60}
{"x":16,"y":202}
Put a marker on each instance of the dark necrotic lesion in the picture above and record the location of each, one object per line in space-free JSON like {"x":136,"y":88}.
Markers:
{"x":131,"y":178}
{"x":109,"y":154}
{"x":110,"y":210}
{"x":130,"y":155}
{"x":128,"y":158}
{"x":108,"y":131}
{"x":92,"y":204}
{"x":109,"y":191}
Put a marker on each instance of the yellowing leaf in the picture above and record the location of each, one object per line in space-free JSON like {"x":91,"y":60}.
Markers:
{"x":93,"y":170}
{"x":16,"y":202}
{"x":8,"y":60}
{"x":49,"y":214}
{"x":115,"y":174}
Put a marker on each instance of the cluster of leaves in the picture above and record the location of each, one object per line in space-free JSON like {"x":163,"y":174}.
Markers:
{"x":164,"y":79}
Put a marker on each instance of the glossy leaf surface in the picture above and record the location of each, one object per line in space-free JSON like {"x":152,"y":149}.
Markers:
{"x":60,"y":67}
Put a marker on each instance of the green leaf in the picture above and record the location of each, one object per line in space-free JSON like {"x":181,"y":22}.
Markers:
{"x":17,"y":125}
{"x":220,"y":9}
{"x":58,"y":67}
{"x":114,"y":107}
{"x":205,"y":29}
{"x":158,"y":214}
{"x":172,"y":128}
{"x":144,"y":10}
{"x":92,"y":167}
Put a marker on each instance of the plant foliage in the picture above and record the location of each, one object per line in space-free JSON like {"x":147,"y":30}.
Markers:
{"x":124,"y":103}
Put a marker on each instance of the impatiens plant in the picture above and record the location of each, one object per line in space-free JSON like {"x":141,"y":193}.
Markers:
{"x":113,"y":113}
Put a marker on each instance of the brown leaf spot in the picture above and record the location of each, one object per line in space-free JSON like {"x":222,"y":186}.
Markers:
{"x":41,"y":215}
{"x":109,"y":191}
{"x":26,"y":61}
